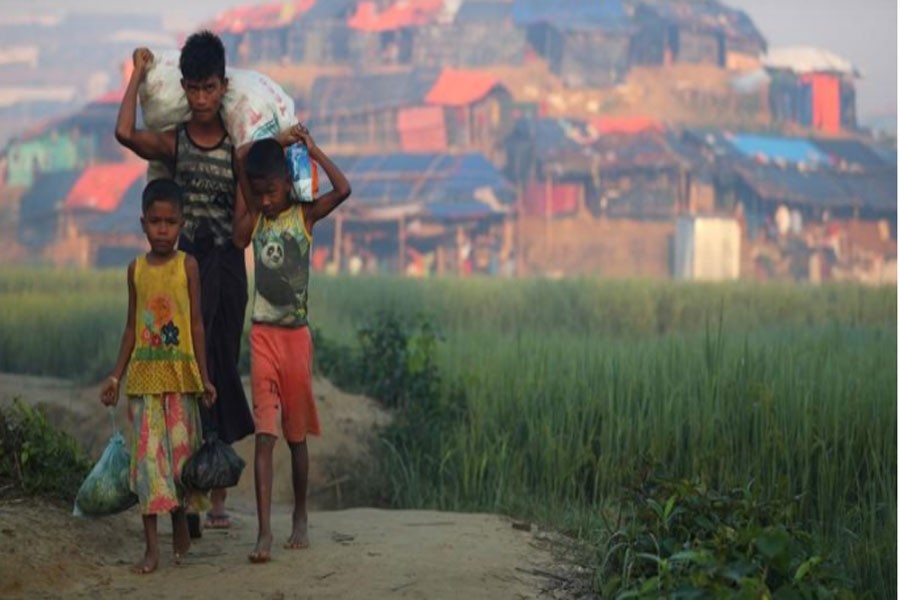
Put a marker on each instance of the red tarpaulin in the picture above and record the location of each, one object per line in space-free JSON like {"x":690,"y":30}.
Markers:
{"x":101,"y":187}
{"x":544,"y":199}
{"x":826,"y":100}
{"x":395,"y":16}
{"x":265,"y":16}
{"x":457,"y":87}
{"x":633,"y":124}
{"x":422,"y":129}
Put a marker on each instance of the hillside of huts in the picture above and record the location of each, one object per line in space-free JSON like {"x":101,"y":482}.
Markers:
{"x":617,"y":138}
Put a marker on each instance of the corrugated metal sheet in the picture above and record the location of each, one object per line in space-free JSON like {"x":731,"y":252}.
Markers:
{"x":772,"y":148}
{"x":707,"y":249}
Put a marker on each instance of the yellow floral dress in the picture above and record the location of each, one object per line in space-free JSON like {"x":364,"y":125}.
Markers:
{"x":163,"y":388}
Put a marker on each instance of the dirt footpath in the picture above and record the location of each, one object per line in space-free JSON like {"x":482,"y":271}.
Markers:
{"x":356,"y":553}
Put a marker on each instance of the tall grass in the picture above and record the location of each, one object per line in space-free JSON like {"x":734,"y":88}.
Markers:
{"x":570,"y":386}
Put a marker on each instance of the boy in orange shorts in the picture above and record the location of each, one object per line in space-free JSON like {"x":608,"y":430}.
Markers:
{"x":281,"y":348}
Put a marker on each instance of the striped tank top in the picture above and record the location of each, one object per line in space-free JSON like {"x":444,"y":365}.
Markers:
{"x":207,"y":177}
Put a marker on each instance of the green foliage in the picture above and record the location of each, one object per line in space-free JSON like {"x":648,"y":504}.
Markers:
{"x":682,"y":539}
{"x":37,"y":459}
{"x":540,"y":398}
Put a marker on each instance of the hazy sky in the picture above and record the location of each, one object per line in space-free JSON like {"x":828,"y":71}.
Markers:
{"x":864,"y":31}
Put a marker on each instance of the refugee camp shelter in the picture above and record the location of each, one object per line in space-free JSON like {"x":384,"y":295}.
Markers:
{"x":61,"y":217}
{"x":482,"y":33}
{"x":408,"y":203}
{"x":813,"y":88}
{"x":695,"y":32}
{"x":622,"y":168}
{"x":66,"y":143}
{"x":585,"y":43}
{"x":419,"y":110}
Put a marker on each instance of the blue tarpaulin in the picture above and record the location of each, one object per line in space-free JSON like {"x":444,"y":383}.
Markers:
{"x":777,"y":148}
{"x":405,"y":178}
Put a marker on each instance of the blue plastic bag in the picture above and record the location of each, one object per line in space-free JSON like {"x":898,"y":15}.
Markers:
{"x":106,"y":490}
{"x":304,"y":173}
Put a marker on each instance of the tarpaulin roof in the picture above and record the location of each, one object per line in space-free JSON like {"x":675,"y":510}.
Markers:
{"x":807,"y":59}
{"x":262,"y":16}
{"x":349,"y":95}
{"x":825,"y":189}
{"x":706,"y":15}
{"x":484,"y":12}
{"x":47,"y":195}
{"x":329,"y":9}
{"x":456,"y":87}
{"x":405,"y":178}
{"x":770,"y":148}
{"x":395,"y":16}
{"x":101,"y":187}
{"x":851,"y":152}
{"x":127,"y":216}
{"x":607,"y":15}
{"x":632,"y":124}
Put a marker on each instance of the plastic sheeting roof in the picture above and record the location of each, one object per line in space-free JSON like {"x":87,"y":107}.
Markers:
{"x":47,"y":195}
{"x":483,"y":12}
{"x":395,"y":16}
{"x":127,"y":216}
{"x":807,"y":59}
{"x":607,"y":15}
{"x":852,"y":152}
{"x":263,"y":16}
{"x":336,"y":95}
{"x":825,"y":189}
{"x":405,"y":178}
{"x":456,"y":87}
{"x":777,"y":148}
{"x":101,"y":187}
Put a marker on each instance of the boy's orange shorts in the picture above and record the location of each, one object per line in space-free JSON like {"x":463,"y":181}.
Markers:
{"x":281,"y":379}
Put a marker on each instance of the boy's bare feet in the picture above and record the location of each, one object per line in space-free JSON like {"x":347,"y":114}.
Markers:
{"x":263,"y":551}
{"x":148,"y":564}
{"x":300,"y":536}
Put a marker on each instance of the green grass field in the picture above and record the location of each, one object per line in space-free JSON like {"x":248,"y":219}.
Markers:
{"x":572,"y":385}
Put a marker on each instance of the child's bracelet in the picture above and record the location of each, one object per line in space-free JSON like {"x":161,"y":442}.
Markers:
{"x":115,"y":379}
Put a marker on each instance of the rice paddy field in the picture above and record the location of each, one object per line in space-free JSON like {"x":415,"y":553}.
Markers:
{"x":572,"y":385}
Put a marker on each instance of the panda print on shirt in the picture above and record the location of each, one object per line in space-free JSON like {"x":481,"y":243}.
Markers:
{"x":282,"y":273}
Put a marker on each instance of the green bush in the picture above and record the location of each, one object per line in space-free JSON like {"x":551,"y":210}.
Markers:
{"x":35,"y":458}
{"x":681,"y":539}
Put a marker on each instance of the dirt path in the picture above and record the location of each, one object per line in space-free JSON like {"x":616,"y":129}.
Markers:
{"x":355,"y":553}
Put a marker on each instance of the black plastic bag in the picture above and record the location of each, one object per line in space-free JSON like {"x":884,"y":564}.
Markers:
{"x":215,"y":465}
